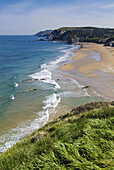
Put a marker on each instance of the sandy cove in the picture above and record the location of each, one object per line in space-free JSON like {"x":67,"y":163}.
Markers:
{"x":99,"y":75}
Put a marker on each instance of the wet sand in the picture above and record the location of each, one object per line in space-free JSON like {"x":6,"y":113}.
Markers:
{"x":67,"y":67}
{"x":93,"y":65}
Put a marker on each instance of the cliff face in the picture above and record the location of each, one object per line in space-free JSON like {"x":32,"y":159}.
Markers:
{"x":81,"y":34}
{"x":72,"y":35}
{"x":43,"y":33}
{"x":61,"y":35}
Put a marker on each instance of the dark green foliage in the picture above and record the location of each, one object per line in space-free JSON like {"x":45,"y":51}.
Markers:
{"x":82,"y":34}
{"x":108,"y":40}
{"x":43,"y":33}
{"x":82,"y":140}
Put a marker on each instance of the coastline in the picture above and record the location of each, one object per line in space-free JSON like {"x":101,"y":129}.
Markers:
{"x":43,"y":94}
{"x":56,"y":102}
{"x":93,"y":66}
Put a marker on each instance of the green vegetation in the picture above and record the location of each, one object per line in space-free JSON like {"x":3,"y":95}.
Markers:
{"x":109,"y":40}
{"x":82,"y":34}
{"x":83,"y":28}
{"x":80,"y":140}
{"x":43,"y":33}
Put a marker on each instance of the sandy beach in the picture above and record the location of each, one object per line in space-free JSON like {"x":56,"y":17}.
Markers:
{"x":93,"y":66}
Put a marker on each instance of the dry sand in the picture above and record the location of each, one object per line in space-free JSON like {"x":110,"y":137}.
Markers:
{"x":107,"y":62}
{"x":97,"y":74}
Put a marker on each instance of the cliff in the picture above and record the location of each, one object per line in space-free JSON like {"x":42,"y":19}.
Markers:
{"x":43,"y":33}
{"x":81,"y":139}
{"x":81,"y":34}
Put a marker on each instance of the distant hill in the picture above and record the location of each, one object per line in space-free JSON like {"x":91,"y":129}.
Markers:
{"x":43,"y":33}
{"x":81,"y":34}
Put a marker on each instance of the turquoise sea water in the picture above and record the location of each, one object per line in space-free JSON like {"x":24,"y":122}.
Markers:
{"x":27,"y":105}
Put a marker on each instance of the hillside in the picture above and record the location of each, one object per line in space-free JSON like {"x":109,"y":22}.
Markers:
{"x":82,"y":34}
{"x":82,"y":139}
{"x":43,"y":33}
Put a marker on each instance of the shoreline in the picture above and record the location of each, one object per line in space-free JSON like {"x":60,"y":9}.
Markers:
{"x":79,"y":79}
{"x":26,"y":120}
{"x":93,"y":66}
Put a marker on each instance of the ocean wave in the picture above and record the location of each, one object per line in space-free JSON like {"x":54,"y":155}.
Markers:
{"x":43,"y":65}
{"x":43,"y":74}
{"x":14,"y":135}
{"x":68,"y":54}
{"x":62,"y":47}
{"x":46,"y":77}
{"x":16,"y":84}
{"x":52,"y":101}
{"x":12,"y":97}
{"x":76,"y":82}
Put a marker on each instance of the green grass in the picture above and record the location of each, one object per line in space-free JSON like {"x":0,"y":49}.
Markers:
{"x":83,"y":28}
{"x":80,"y":140}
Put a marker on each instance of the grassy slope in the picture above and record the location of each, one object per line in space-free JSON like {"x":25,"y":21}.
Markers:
{"x":82,"y":140}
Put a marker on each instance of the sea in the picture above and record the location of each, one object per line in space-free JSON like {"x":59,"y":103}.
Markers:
{"x":33,"y":89}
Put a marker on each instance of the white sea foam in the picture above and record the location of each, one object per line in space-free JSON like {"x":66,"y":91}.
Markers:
{"x":83,"y":91}
{"x":16,"y":84}
{"x":44,"y":74}
{"x":43,"y":65}
{"x":75,"y":82}
{"x":46,"y":77}
{"x":99,"y":94}
{"x":68,"y":54}
{"x":12,"y":97}
{"x":60,"y":48}
{"x":52,"y":101}
{"x":86,"y":93}
{"x":14,"y":135}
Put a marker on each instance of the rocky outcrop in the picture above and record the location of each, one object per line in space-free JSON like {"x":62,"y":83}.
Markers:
{"x":108,"y":41}
{"x":81,"y":34}
{"x":43,"y":33}
{"x":61,"y":35}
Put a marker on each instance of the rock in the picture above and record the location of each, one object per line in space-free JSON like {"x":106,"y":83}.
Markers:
{"x":32,"y":89}
{"x":35,"y":79}
{"x":27,"y":80}
{"x":42,"y":79}
{"x":41,"y":39}
{"x":30,"y":80}
{"x":85,"y":87}
{"x":35,"y":89}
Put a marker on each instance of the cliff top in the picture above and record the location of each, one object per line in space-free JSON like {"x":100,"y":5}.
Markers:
{"x":81,"y":139}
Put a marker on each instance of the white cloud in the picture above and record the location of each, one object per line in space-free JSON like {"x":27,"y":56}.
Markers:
{"x":108,"y":6}
{"x":21,"y":19}
{"x":20,"y":7}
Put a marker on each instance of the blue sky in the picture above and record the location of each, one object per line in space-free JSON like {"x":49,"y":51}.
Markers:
{"x":26,"y":17}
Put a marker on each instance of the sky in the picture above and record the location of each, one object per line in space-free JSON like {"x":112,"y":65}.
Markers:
{"x":27,"y":17}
